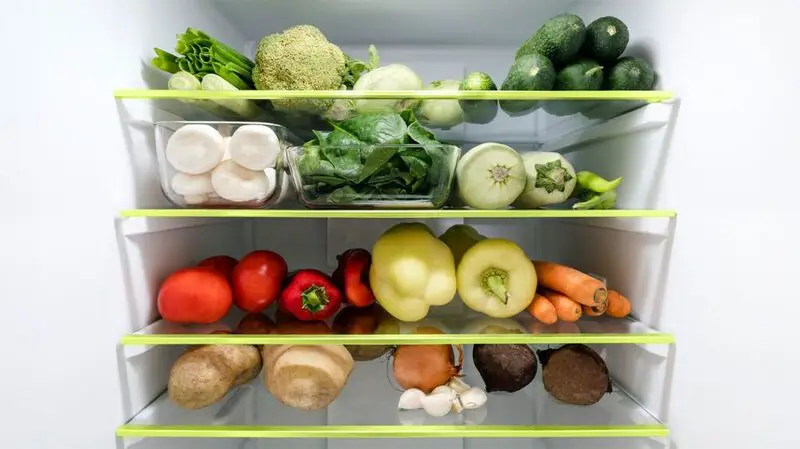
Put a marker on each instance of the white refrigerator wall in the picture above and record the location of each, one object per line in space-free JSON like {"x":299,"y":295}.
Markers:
{"x":63,"y":275}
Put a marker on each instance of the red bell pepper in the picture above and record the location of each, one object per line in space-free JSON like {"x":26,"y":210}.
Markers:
{"x":352,"y":277}
{"x":310,"y":295}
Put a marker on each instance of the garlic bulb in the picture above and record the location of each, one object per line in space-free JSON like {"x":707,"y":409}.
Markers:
{"x":438,"y":404}
{"x":410,"y":399}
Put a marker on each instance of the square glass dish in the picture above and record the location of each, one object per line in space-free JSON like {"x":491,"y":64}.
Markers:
{"x":389,"y":176}
{"x":218,"y":164}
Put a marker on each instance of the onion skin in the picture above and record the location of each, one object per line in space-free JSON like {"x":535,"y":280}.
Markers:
{"x":425,"y":367}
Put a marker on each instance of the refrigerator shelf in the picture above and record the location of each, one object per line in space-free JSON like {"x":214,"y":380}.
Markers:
{"x":252,"y":412}
{"x":453,"y":431}
{"x":399,"y":213}
{"x":650,"y":96}
{"x":469,"y":328}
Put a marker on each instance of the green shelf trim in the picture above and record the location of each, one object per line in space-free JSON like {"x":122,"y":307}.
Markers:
{"x":394,"y":339}
{"x":386,"y":213}
{"x":424,"y":431}
{"x":652,"y":96}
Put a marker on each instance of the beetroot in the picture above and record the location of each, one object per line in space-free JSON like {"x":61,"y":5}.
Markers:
{"x":506,"y":368}
{"x":574,"y":374}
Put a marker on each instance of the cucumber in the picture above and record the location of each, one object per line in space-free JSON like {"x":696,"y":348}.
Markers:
{"x":585,"y":74}
{"x":631,"y":74}
{"x":478,"y":111}
{"x":606,"y":39}
{"x":531,"y":72}
{"x":559,"y":39}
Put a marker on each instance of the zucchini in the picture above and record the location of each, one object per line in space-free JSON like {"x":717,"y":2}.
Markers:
{"x":478,"y":111}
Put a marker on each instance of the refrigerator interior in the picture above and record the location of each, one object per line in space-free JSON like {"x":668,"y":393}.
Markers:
{"x":679,"y":273}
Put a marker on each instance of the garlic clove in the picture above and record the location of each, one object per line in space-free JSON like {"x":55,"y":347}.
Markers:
{"x":458,"y":385}
{"x":436,"y":404}
{"x":444,"y":389}
{"x":457,"y":407}
{"x":410,"y":399}
{"x":473,"y":398}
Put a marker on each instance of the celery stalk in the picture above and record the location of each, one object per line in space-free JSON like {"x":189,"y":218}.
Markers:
{"x":244,"y":108}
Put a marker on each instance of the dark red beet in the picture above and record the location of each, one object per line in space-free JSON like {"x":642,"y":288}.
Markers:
{"x":574,"y":374}
{"x":506,"y":368}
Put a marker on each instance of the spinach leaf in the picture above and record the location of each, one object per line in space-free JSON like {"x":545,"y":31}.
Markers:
{"x":344,"y":194}
{"x":342,"y":150}
{"x":376,"y":159}
{"x":309,"y":161}
{"x":332,"y":181}
{"x":417,"y":160}
{"x":379,"y":128}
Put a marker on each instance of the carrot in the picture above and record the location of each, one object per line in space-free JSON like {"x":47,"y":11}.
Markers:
{"x":561,"y":327}
{"x":579,"y":287}
{"x":566,"y":309}
{"x":595,"y":310}
{"x":618,"y":305}
{"x":543,"y":310}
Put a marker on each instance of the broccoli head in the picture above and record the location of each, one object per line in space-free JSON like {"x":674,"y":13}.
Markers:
{"x":300,"y":58}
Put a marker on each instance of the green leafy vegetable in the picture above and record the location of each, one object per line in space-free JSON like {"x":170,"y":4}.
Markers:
{"x":380,"y":128}
{"x":369,"y":157}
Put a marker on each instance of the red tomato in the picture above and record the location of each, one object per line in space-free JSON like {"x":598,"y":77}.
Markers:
{"x":197,"y":295}
{"x":223,"y":264}
{"x":255,"y":323}
{"x":257,"y":280}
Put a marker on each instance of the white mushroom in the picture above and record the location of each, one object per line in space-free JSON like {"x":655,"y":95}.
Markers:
{"x":272,"y":179}
{"x":226,"y":155}
{"x":410,"y":399}
{"x":256,"y":147}
{"x":185,"y":184}
{"x":195,"y":149}
{"x":438,"y":404}
{"x":236,"y":183}
{"x":195,"y":199}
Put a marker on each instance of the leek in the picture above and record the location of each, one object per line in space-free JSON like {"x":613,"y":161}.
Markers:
{"x":202,"y":55}
{"x":165,"y":61}
{"x":186,"y":81}
{"x":245,"y":108}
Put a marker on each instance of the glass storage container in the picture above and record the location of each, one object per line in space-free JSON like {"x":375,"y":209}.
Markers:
{"x":408,"y":176}
{"x":220,"y":164}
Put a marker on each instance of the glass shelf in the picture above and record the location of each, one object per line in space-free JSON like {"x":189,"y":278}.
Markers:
{"x":651,"y":96}
{"x":468,"y":328}
{"x":251,"y":412}
{"x":399,"y":213}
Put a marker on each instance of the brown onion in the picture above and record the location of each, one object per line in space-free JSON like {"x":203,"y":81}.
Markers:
{"x":425,"y":367}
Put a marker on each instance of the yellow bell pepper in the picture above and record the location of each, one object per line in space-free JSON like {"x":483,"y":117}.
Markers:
{"x":411,"y":271}
{"x":460,"y":238}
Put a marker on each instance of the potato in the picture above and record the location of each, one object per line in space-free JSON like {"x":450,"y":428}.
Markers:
{"x":203,"y":375}
{"x":306,"y":377}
